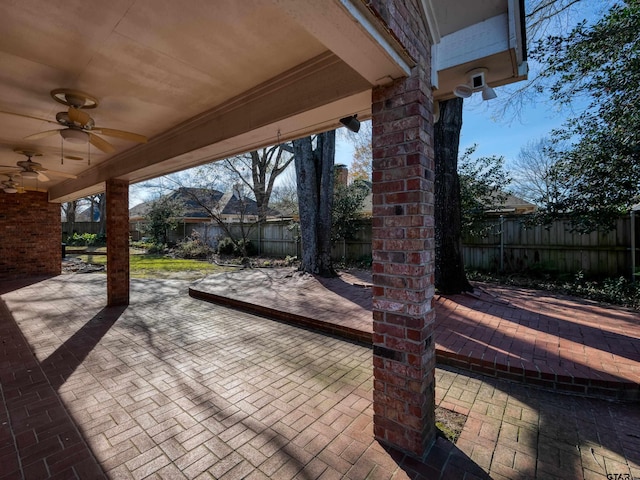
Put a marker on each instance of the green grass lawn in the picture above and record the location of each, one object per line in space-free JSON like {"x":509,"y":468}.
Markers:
{"x":159,"y":266}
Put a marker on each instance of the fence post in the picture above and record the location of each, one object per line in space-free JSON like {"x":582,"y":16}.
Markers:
{"x":633,"y":245}
{"x":502,"y":243}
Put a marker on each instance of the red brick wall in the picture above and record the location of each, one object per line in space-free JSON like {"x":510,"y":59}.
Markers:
{"x":117,"y":214}
{"x":403,"y":238}
{"x":30,"y":235}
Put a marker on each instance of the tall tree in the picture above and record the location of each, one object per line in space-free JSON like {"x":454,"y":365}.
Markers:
{"x":315,"y":181}
{"x":285,"y":196}
{"x":602,"y":63}
{"x":449,"y":264}
{"x":362,"y":151}
{"x":70,"y":209}
{"x":534,"y":178}
{"x":483,"y":183}
{"x":258,"y":170}
{"x":450,"y":276}
{"x":162,"y":218}
{"x":348,"y":201}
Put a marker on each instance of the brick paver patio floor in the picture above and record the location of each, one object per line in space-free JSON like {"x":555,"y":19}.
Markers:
{"x":173,"y":387}
{"x":524,"y":335}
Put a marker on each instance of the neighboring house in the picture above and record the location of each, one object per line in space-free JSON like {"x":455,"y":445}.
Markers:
{"x":513,"y":205}
{"x":88,"y":214}
{"x":229,"y":208}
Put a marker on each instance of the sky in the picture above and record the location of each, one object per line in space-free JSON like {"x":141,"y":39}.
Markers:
{"x":500,"y":137}
{"x":504,"y":137}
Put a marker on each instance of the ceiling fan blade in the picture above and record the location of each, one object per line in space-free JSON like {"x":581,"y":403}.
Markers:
{"x":29,"y":116}
{"x":78,"y":117}
{"x":42,"y":177}
{"x":60,"y":174}
{"x":110,"y":132}
{"x":38,"y":136}
{"x":100,"y":143}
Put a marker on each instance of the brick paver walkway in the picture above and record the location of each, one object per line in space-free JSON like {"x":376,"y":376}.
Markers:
{"x":518,"y":334}
{"x":172,"y":387}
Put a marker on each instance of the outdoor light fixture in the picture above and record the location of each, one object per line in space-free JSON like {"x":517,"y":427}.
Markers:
{"x":352,"y":123}
{"x":477,"y":83}
{"x":463,"y":91}
{"x":488,"y":93}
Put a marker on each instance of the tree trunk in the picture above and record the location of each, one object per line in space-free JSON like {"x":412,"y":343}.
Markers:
{"x":102,"y":206}
{"x":450,"y":276}
{"x":314,"y":171}
{"x":71,"y":208}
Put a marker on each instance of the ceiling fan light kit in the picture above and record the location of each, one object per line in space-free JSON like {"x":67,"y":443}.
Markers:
{"x":73,"y":135}
{"x":74,"y":126}
{"x":30,"y":174}
{"x":77,"y":125}
{"x":28,"y":170}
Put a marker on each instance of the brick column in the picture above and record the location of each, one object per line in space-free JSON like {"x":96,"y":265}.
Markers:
{"x":403,"y":245}
{"x":117,"y":242}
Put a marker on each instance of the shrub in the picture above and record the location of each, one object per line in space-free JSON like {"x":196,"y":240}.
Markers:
{"x":616,"y":291}
{"x":290,"y":261}
{"x":144,"y":245}
{"x":192,"y":247}
{"x":86,"y":239}
{"x":157,"y":248}
{"x":249,"y":248}
{"x":227,"y":246}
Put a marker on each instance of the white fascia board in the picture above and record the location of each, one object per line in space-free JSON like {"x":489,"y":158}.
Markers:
{"x":381,"y":38}
{"x":434,"y":65}
{"x":516,"y":42}
{"x":430,"y":19}
{"x":474,"y":42}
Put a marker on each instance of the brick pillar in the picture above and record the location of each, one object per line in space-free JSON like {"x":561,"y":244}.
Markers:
{"x":117,"y":242}
{"x":403,"y":245}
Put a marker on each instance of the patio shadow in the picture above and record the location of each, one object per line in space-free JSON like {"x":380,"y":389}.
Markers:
{"x":61,"y":364}
{"x":38,"y":437}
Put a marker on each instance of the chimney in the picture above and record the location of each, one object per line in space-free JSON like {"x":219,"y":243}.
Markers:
{"x":342,"y":175}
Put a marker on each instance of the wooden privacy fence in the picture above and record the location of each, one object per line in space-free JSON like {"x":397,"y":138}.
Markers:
{"x":69,"y":228}
{"x":273,"y":238}
{"x":279,"y":239}
{"x":508,"y":246}
{"x":511,"y":247}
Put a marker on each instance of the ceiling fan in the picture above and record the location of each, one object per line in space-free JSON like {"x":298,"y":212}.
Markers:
{"x":78,"y":125}
{"x":30,"y":169}
{"x":11,"y":186}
